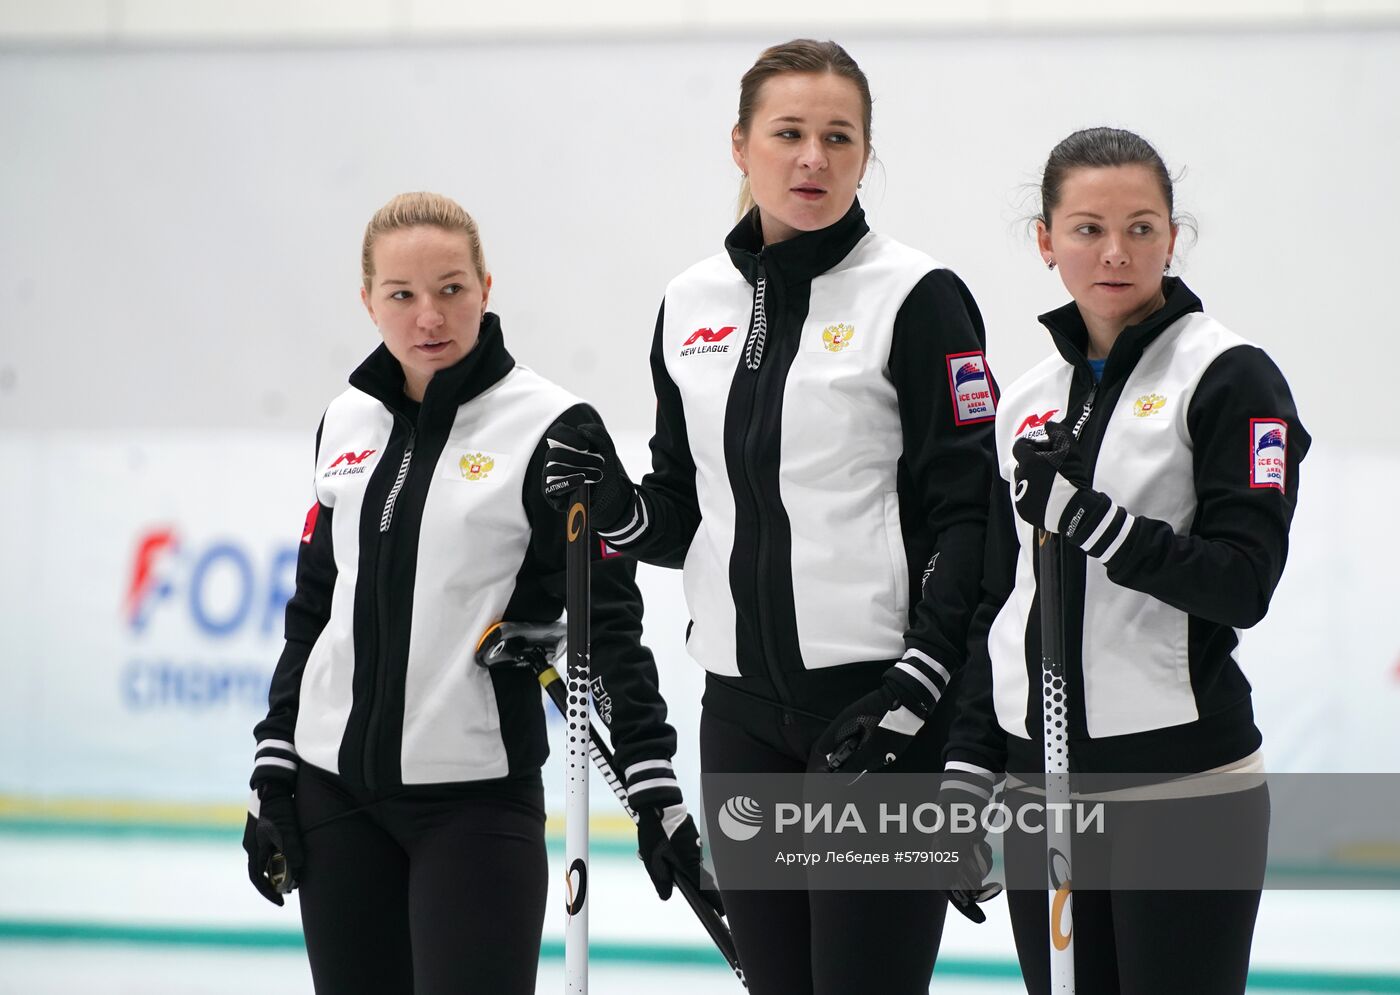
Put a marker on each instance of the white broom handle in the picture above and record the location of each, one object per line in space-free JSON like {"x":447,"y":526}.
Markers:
{"x":577,"y":596}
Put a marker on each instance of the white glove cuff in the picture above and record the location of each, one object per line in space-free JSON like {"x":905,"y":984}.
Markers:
{"x":671,"y":818}
{"x":902,"y":721}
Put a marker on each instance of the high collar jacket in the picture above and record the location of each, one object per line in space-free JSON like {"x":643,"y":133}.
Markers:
{"x":1193,"y":432}
{"x":822,"y":454}
{"x":428,"y":527}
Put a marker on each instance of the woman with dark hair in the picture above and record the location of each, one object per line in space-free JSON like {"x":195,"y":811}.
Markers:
{"x":1163,"y":449}
{"x":395,"y":781}
{"x":820,"y":468}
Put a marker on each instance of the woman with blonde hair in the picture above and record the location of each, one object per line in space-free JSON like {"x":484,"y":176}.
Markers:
{"x":400,"y":782}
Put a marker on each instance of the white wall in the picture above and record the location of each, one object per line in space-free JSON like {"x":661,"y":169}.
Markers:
{"x":145,"y":21}
{"x":182,"y":226}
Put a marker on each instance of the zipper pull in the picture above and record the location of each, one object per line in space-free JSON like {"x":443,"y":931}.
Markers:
{"x":388,"y":516}
{"x":758,"y":325}
{"x":1088,"y":407}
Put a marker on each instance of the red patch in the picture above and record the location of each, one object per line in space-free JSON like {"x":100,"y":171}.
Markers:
{"x":605,"y":551}
{"x":310,"y":525}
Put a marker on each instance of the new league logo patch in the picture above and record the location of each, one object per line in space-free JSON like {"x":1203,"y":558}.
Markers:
{"x":973,"y":400}
{"x":350,"y":464}
{"x":707,"y":340}
{"x":1268,"y":453}
{"x":1033,"y":427}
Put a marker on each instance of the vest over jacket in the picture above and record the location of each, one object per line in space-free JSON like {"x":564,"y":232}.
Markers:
{"x":1193,"y":433}
{"x":821,"y":457}
{"x":428,"y":527}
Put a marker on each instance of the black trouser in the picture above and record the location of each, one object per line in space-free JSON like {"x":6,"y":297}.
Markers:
{"x":817,"y":942}
{"x":1149,"y":942}
{"x":423,"y":890}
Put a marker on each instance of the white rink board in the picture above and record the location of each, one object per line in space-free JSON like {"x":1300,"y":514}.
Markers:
{"x":99,"y":702}
{"x":153,"y":698}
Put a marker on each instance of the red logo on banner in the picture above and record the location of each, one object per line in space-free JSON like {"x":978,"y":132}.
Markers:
{"x":143,"y":578}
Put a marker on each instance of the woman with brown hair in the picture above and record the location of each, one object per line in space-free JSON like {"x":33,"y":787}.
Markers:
{"x":1163,"y":449}
{"x":820,"y":467}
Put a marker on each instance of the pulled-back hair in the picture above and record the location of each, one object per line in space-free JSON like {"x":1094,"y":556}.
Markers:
{"x":1097,"y":148}
{"x":801,"y":55}
{"x":410,"y":210}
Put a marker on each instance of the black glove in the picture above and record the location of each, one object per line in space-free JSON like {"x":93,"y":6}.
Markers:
{"x":273,"y":841}
{"x":871,"y":733}
{"x":1053,"y":493}
{"x":586,"y":455}
{"x":669,"y":846}
{"x":973,"y":865}
{"x":971,"y":787}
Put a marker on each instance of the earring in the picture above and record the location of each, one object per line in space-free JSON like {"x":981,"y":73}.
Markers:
{"x":1167,"y":268}
{"x":1049,"y":264}
{"x":860,"y":184}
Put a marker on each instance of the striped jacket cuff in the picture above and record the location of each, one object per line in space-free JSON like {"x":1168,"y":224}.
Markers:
{"x":919,"y":681}
{"x":651,"y":784}
{"x":1095,"y":524}
{"x":963,"y":781}
{"x":967,"y":789}
{"x":633,"y":527}
{"x":274,"y":760}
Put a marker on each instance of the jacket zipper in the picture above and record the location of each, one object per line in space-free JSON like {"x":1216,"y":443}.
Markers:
{"x":753,"y":359}
{"x":381,"y":612}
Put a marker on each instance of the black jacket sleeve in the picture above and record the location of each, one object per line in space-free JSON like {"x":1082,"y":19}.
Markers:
{"x":626,"y":689}
{"x":976,"y":738}
{"x":1226,"y":569}
{"x":946,"y":467}
{"x":308,"y":610}
{"x":667,"y":510}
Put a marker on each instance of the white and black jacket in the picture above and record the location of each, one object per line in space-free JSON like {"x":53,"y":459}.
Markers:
{"x":822,"y":454}
{"x":1193,"y":434}
{"x":428,"y":527}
